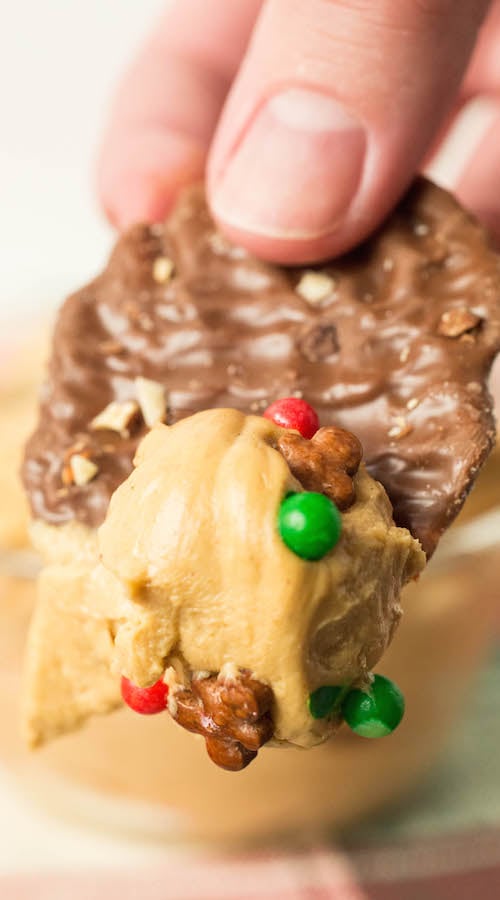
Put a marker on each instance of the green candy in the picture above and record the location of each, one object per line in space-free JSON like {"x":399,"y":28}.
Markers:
{"x":322,"y":701}
{"x":375,"y":712}
{"x":309,"y":524}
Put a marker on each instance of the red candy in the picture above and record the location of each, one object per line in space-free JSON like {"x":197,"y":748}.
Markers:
{"x":291,"y":412}
{"x":148,"y":700}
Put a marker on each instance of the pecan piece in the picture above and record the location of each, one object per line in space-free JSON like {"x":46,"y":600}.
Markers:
{"x":233,"y":716}
{"x":326,"y":463}
{"x":456,"y":322}
{"x":229,"y":754}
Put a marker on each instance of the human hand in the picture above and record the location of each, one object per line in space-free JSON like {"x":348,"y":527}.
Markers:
{"x":310,"y":116}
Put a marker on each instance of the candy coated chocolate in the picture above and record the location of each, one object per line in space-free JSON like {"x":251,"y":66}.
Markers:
{"x":323,"y":700}
{"x":375,"y":712}
{"x":294,"y":413}
{"x":148,"y":700}
{"x":310,"y":524}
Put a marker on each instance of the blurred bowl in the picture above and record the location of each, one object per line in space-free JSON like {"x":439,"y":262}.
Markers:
{"x":148,"y":776}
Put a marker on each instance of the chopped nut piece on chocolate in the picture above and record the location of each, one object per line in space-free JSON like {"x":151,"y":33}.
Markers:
{"x":456,"y":322}
{"x":116,"y":417}
{"x":400,"y":428}
{"x":234,"y":716}
{"x":76,"y":449}
{"x":315,"y":287}
{"x":320,"y":342}
{"x":326,"y":463}
{"x":83,"y":469}
{"x":152,"y":400}
{"x":163,"y":269}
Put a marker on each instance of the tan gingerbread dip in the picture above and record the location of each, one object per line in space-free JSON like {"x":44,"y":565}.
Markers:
{"x":202,"y":584}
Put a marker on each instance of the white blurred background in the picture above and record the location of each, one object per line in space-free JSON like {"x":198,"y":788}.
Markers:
{"x":59,"y":60}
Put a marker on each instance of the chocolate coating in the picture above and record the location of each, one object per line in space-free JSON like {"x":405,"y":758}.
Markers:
{"x":376,"y":354}
{"x":234,"y":718}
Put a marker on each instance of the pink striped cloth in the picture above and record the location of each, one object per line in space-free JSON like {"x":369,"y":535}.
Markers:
{"x":321,"y":874}
{"x":459,"y":866}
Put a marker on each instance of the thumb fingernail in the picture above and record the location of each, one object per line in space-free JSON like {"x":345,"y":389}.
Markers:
{"x":296,"y":169}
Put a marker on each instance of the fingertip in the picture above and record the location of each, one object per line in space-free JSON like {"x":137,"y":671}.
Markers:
{"x":140,"y":175}
{"x":136,"y":197}
{"x":308,"y":160}
{"x":166,"y":107}
{"x":475,"y":187}
{"x":284,"y":250}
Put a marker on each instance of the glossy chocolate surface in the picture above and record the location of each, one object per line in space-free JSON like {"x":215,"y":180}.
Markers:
{"x":398,"y":351}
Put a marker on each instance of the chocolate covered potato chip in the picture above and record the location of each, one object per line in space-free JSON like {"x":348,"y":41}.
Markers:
{"x":393,"y":342}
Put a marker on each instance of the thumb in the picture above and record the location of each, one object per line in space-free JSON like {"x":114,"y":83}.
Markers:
{"x":332,"y":111}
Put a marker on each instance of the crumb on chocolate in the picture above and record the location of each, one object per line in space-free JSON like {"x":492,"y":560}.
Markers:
{"x":152,"y":400}
{"x":72,"y":462}
{"x":83,"y":470}
{"x":457,"y":322}
{"x":400,"y":428}
{"x":116,"y":417}
{"x":163,"y":269}
{"x":314,"y":287}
